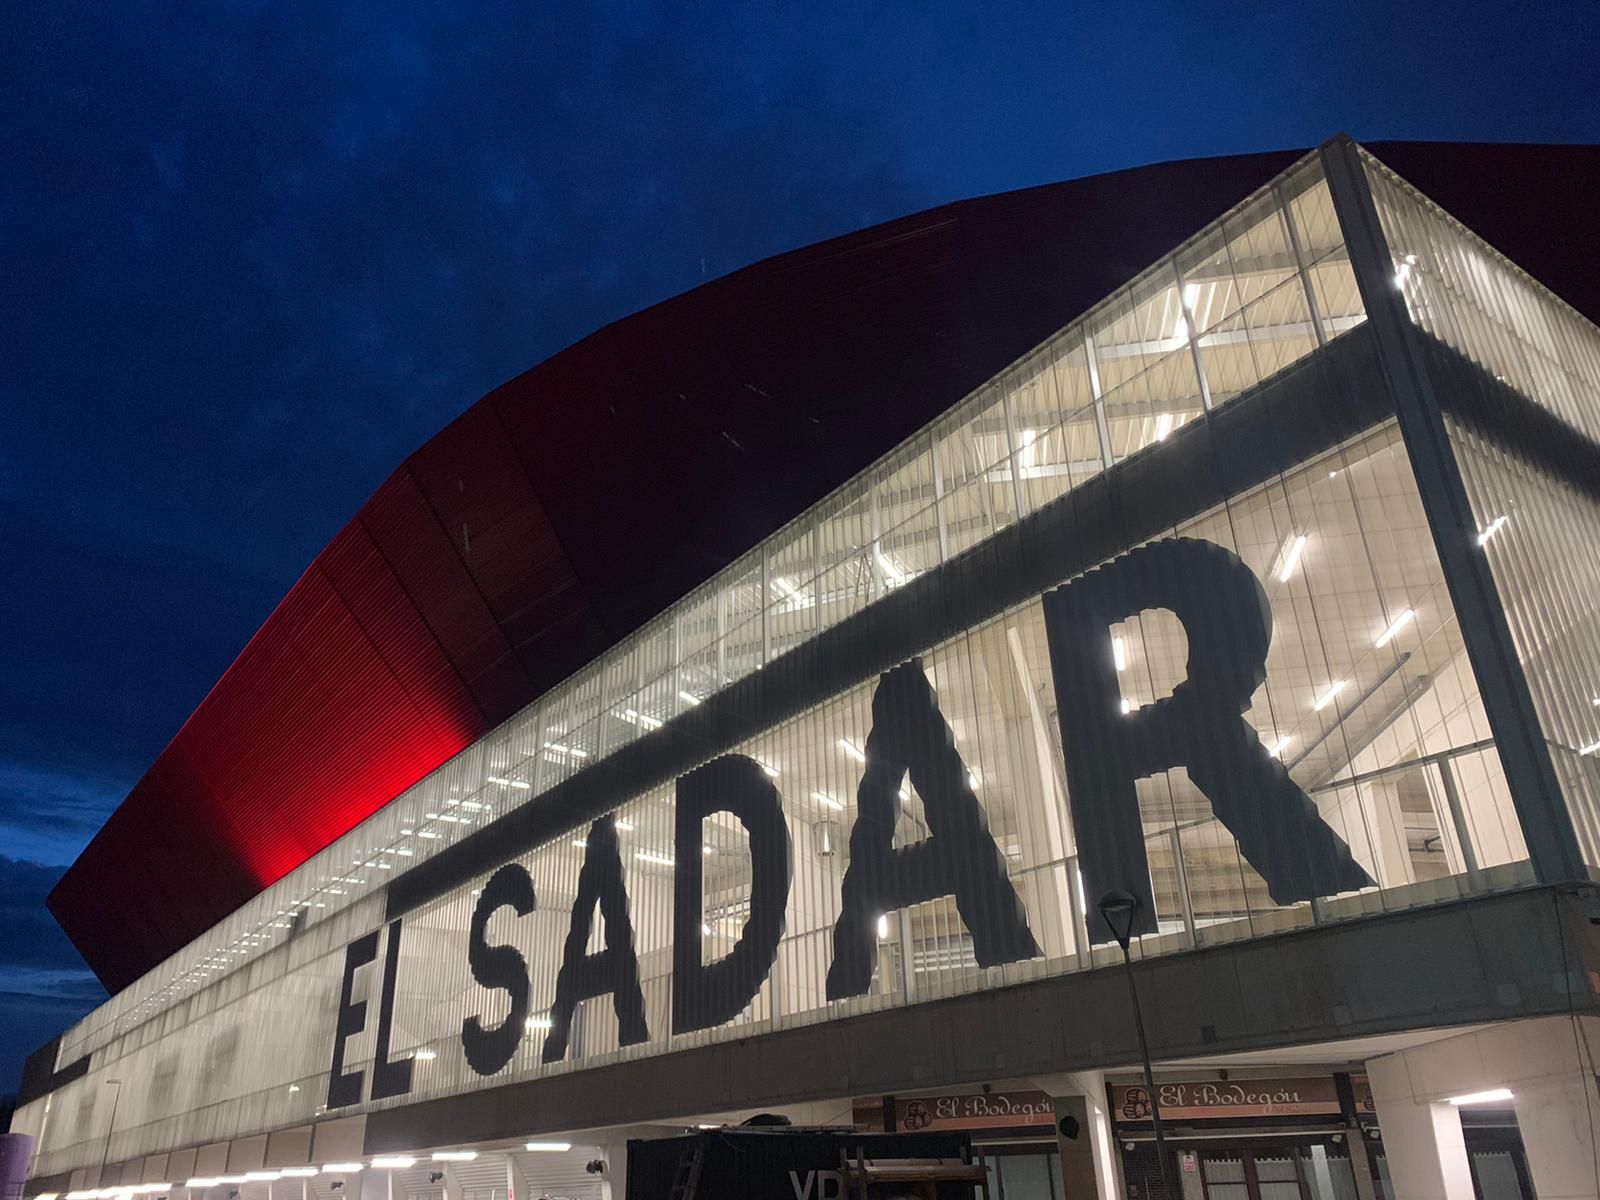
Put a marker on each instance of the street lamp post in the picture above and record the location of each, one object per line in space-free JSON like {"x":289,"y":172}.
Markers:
{"x":105,"y":1154}
{"x":1118,"y":908}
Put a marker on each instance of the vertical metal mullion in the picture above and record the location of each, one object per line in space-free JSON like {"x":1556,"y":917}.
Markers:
{"x":766,"y":607}
{"x":1547,"y":826}
{"x":1099,"y":402}
{"x":1458,"y":818}
{"x":1013,"y":452}
{"x":938,"y":495}
{"x":1300,"y":262}
{"x":1193,"y":339}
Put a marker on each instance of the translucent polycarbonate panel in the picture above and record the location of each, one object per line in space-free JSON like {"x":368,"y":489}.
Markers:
{"x":972,"y":450}
{"x":791,"y":594}
{"x":847,"y":577}
{"x":1478,"y":302}
{"x":1367,"y":701}
{"x":1040,"y":428}
{"x":1541,"y":537}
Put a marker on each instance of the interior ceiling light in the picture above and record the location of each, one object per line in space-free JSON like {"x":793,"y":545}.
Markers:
{"x":895,"y":574}
{"x":394,"y":1162}
{"x":650,"y":856}
{"x":824,"y":798}
{"x":689,"y":698}
{"x":1289,"y":556}
{"x":299,"y":1172}
{"x":1326,"y":698}
{"x":339,"y":1168}
{"x":1492,"y":1096}
{"x":1119,"y":653}
{"x":454,"y":1155}
{"x":548,"y":1147}
{"x":852,"y":750}
{"x":1395,"y":626}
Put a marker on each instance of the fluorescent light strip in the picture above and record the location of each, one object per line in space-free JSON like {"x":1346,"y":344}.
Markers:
{"x":1395,"y":627}
{"x":454,"y":1155}
{"x":421,"y":1056}
{"x":542,"y":1021}
{"x":851,"y":749}
{"x":549,"y":1147}
{"x":650,"y":856}
{"x":1289,"y":556}
{"x":299,"y":1172}
{"x":1492,"y":528}
{"x":1327,"y":697}
{"x":689,"y":698}
{"x":1591,"y":748}
{"x":394,"y":1162}
{"x":828,"y":800}
{"x":1492,"y":1096}
{"x":1119,"y":653}
{"x":339,"y":1168}
{"x":1279,"y":746}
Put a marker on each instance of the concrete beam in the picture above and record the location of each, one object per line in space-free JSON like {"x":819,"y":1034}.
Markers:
{"x":1481,"y":960}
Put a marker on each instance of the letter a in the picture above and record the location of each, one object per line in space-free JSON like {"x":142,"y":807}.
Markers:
{"x":616,"y":968}
{"x":909,"y":733}
{"x":1226,"y":616}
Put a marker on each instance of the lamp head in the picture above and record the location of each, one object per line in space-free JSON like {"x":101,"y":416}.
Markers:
{"x":1118,"y":908}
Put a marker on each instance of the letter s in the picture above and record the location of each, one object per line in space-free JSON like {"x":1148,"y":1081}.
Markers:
{"x":498,"y":967}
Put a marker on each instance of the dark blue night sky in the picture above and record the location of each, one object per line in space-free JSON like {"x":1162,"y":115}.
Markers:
{"x":252,"y":255}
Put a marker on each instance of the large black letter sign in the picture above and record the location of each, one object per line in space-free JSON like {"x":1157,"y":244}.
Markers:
{"x":706,"y":995}
{"x":909,"y":733}
{"x":498,"y":967}
{"x":345,"y":1088}
{"x":389,"y":1078}
{"x":615,"y":969}
{"x":1226,"y":616}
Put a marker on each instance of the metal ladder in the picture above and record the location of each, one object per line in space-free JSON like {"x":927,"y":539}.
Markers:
{"x":687,"y":1181}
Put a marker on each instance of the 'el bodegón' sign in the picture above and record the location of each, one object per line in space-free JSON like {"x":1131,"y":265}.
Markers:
{"x":1220,"y":1098}
{"x":1199,"y":727}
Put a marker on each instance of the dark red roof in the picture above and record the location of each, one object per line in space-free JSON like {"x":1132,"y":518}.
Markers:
{"x":569,"y":506}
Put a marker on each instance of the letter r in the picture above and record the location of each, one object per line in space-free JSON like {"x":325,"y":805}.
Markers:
{"x":1201,"y":727}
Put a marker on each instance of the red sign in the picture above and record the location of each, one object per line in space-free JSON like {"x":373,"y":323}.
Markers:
{"x":1210,"y":1099}
{"x":975,"y":1110}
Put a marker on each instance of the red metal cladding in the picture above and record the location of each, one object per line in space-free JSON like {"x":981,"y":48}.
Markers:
{"x":574,"y":503}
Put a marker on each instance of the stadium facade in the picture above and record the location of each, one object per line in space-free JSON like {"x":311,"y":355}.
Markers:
{"x":1265,"y":592}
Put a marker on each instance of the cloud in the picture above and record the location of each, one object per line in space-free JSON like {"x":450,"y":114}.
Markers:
{"x":44,"y":985}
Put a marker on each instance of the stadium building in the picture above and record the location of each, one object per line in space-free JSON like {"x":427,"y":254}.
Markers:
{"x":609,"y":774}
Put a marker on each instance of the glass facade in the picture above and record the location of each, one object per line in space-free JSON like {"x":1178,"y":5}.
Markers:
{"x":1532,"y":483}
{"x":1237,"y":374}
